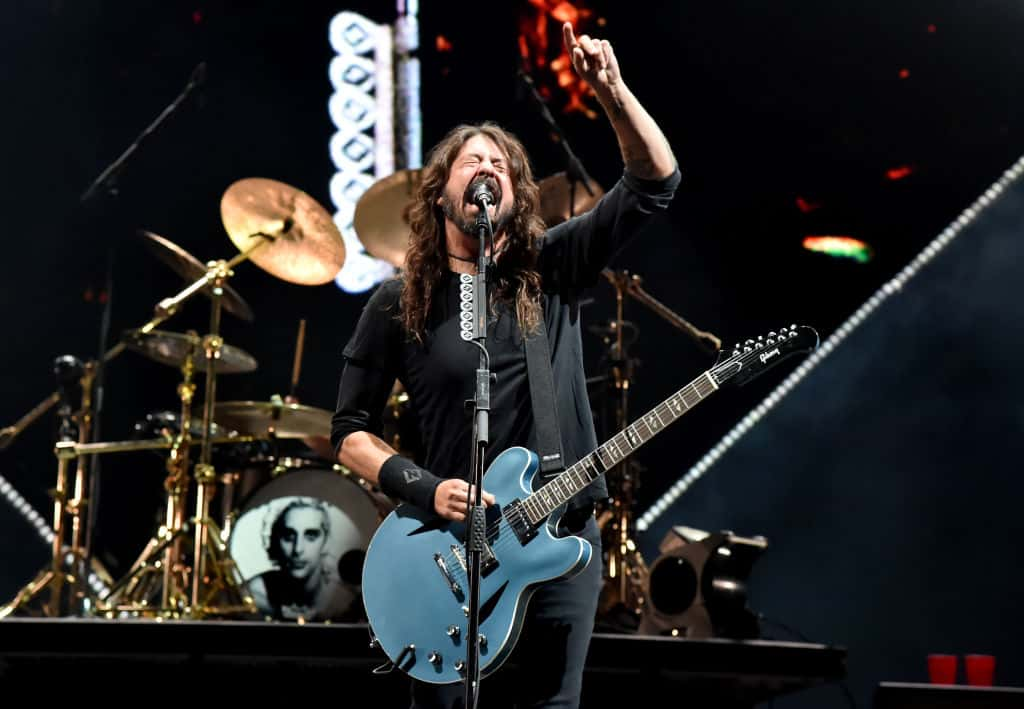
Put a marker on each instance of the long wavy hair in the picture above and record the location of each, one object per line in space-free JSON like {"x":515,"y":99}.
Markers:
{"x":516,"y":280}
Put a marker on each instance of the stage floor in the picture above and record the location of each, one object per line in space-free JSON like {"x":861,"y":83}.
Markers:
{"x":238,"y":660}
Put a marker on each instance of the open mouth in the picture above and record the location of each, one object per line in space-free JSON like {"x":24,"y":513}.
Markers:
{"x":490,"y":182}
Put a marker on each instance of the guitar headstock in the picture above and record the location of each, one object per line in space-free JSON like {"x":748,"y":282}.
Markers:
{"x":754,"y":357}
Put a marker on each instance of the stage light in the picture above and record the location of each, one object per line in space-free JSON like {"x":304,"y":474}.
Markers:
{"x":697,"y":588}
{"x":898,"y":173}
{"x":839,"y":246}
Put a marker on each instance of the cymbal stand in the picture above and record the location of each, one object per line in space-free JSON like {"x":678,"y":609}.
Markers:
{"x":626,"y":570}
{"x":214,"y":573}
{"x":66,"y":577}
{"x":180,"y":593}
{"x":162,"y":556}
{"x":622,"y":597}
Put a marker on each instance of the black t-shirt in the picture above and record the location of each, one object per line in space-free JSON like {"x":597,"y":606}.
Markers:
{"x":439,"y":375}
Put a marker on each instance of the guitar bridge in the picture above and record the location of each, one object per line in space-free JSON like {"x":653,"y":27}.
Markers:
{"x":487,"y":560}
{"x":452,"y":583}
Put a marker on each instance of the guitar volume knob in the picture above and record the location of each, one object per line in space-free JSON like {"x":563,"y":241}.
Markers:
{"x":434,"y":657}
{"x":453,"y":631}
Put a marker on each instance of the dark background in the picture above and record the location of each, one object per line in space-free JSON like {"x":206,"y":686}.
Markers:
{"x":764,"y":104}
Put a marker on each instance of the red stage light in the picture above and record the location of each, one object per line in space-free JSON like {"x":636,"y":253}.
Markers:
{"x":898,"y":173}
{"x":904,"y":73}
{"x":442,"y":44}
{"x":804,"y":206}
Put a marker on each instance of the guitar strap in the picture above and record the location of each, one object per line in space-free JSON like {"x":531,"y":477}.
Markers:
{"x":542,"y":394}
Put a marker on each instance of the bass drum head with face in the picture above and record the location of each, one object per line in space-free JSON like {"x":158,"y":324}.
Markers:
{"x":346,"y":513}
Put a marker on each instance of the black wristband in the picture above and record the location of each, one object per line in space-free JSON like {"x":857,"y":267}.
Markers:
{"x":403,"y":480}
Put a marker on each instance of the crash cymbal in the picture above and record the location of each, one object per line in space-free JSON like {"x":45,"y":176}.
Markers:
{"x":306,"y":246}
{"x":191,"y":269}
{"x":173,"y":348}
{"x":265,"y":418}
{"x":380,"y":218}
{"x":554,"y":198}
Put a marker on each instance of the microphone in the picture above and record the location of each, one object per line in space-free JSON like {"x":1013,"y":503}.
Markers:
{"x":481,"y":195}
{"x":198,"y":76}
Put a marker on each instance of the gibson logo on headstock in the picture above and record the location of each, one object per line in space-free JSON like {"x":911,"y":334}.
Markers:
{"x":765,"y":356}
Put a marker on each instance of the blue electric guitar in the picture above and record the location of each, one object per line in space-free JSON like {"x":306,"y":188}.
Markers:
{"x":415,"y":582}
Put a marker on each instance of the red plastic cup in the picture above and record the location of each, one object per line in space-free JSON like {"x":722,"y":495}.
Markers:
{"x":942,"y":669}
{"x":980,"y":669}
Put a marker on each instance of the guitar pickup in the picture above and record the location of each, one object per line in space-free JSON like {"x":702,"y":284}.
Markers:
{"x":521,"y":526}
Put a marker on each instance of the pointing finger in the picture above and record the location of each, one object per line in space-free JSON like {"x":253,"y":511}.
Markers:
{"x":568,"y":37}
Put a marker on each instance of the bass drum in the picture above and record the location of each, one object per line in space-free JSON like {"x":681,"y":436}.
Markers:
{"x":299,"y":542}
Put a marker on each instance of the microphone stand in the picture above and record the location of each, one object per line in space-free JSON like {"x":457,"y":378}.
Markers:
{"x":106,"y":182}
{"x":574,"y":171}
{"x":476,"y":527}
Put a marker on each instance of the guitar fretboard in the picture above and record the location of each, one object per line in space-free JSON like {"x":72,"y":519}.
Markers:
{"x":544,"y":501}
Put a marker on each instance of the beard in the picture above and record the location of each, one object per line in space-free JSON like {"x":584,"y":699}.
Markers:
{"x":466,"y":223}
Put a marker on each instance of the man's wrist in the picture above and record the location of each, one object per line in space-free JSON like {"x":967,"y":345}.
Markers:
{"x":403,"y":480}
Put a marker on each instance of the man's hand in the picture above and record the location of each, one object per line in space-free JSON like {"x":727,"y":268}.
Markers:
{"x":451,"y":499}
{"x":593,"y":59}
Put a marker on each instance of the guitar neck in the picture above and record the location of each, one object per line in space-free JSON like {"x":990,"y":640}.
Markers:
{"x":547,"y":499}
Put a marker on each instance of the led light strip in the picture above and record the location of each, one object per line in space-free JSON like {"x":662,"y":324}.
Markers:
{"x":967,"y":217}
{"x":362,"y":101}
{"x":22,"y":506}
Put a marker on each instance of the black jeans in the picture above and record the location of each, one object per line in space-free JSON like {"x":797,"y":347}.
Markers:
{"x":546,"y":667}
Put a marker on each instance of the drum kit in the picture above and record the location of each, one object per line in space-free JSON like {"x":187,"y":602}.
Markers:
{"x":201,"y":561}
{"x":258,"y":519}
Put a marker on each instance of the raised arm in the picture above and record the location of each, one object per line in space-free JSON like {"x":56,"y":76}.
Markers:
{"x":645,"y":150}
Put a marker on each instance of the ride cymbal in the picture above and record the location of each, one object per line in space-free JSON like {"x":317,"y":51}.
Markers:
{"x":380,"y":217}
{"x":555,"y":202}
{"x":173,"y":348}
{"x":191,"y":269}
{"x":266,"y":418}
{"x":305,"y":245}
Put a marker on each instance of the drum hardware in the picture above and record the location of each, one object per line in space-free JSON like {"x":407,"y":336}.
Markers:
{"x":191,"y":269}
{"x":306,"y":247}
{"x":175,"y":349}
{"x":63,"y":587}
{"x":274,"y":418}
{"x":381,"y":216}
{"x":561,"y":199}
{"x":300,"y":340}
{"x":158,"y":582}
{"x":314,"y":574}
{"x":293,"y":238}
{"x":624,"y":594}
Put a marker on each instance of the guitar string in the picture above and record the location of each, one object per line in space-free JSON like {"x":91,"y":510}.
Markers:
{"x":664,"y":407}
{"x":503,"y":541}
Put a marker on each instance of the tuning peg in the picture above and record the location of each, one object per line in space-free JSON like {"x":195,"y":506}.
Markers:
{"x":782,"y":330}
{"x":760,"y":337}
{"x":772,"y":333}
{"x":748,"y":349}
{"x":793,"y":328}
{"x":749,"y":342}
{"x":769,"y":342}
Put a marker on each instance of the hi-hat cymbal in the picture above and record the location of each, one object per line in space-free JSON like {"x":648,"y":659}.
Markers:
{"x":380,"y":216}
{"x":306,"y":246}
{"x":189,"y":267}
{"x":266,"y":418}
{"x":173,"y":348}
{"x":555,"y":202}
